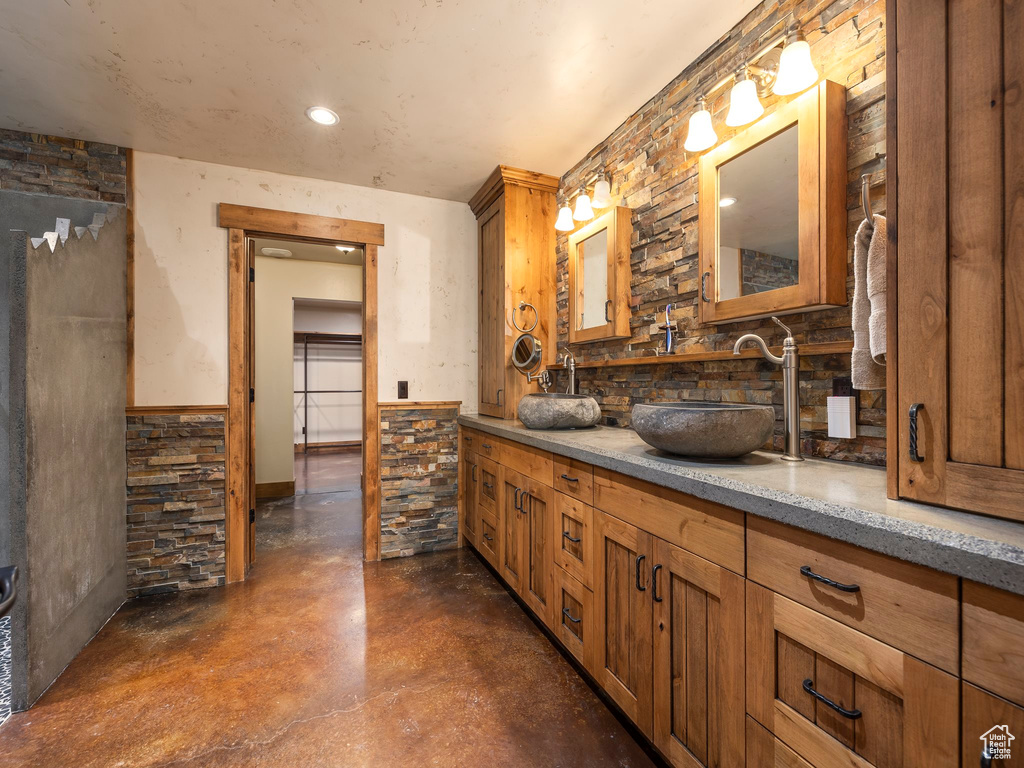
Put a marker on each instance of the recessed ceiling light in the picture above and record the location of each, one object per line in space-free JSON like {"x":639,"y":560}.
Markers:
{"x":276,"y":253}
{"x":322,"y":115}
{"x":725,"y":202}
{"x":345,"y":248}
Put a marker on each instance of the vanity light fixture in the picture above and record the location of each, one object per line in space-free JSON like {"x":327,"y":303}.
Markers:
{"x":602,"y":193}
{"x":276,"y":253}
{"x":322,"y":116}
{"x":584,"y":211}
{"x":725,"y":202}
{"x":744,"y":106}
{"x":564,"y":223}
{"x":796,"y":69}
{"x":701,"y":134}
{"x":345,"y":248}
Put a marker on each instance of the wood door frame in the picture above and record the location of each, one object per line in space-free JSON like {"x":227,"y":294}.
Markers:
{"x":245,"y":221}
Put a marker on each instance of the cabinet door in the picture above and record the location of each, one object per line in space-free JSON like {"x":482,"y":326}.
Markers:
{"x":959,"y":343}
{"x":698,"y":659}
{"x":513,"y":524}
{"x":840,"y":698}
{"x":993,"y":728}
{"x":491,"y":231}
{"x":470,"y":507}
{"x":538,"y":553}
{"x":623,"y":613}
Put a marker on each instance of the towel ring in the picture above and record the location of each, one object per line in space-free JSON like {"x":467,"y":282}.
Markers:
{"x":522,"y":306}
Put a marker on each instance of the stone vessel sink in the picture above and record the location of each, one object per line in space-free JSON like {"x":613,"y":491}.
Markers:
{"x":553,"y":410}
{"x":704,"y":430}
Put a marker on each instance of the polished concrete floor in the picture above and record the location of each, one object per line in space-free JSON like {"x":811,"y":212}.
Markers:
{"x":318,"y":660}
{"x":320,"y":472}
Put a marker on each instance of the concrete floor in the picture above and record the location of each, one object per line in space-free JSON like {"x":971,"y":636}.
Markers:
{"x":319,"y":472}
{"x":317,"y":660}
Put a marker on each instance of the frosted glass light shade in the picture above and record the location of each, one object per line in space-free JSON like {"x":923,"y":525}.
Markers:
{"x":564,"y":223}
{"x":744,"y":106}
{"x":584,"y":211}
{"x":602,"y":194}
{"x":701,"y":134}
{"x":796,"y":70}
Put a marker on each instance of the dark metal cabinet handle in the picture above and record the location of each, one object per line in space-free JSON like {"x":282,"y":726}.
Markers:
{"x":915,"y":409}
{"x":806,"y":571}
{"x":986,"y":758}
{"x":8,"y":588}
{"x":485,"y":445}
{"x":467,"y":438}
{"x":489,"y":538}
{"x":850,"y":714}
{"x":654,"y":582}
{"x":571,"y":538}
{"x":474,"y":473}
{"x":569,"y":479}
{"x":639,"y":559}
{"x":565,"y":612}
{"x":704,"y":286}
{"x":499,"y":397}
{"x":515,"y":503}
{"x":488,"y":486}
{"x":606,"y":305}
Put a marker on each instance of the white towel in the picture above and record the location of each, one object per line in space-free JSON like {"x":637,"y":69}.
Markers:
{"x":868,"y":371}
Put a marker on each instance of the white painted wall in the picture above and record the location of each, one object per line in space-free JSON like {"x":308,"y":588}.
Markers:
{"x":333,"y":417}
{"x":278,"y":283}
{"x":427,"y":279}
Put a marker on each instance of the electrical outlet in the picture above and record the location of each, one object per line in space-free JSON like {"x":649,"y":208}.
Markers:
{"x":403,"y":390}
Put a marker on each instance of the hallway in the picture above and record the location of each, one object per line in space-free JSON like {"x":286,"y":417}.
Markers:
{"x":318,"y":661}
{"x":328,"y":471}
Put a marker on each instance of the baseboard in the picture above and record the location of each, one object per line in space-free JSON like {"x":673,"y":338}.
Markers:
{"x":275,"y":490}
{"x":342,"y":446}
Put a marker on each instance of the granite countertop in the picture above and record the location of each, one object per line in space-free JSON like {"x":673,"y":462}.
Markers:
{"x":841,"y":500}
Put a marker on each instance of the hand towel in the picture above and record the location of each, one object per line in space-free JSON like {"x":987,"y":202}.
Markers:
{"x":876,"y":291}
{"x":867,"y":373}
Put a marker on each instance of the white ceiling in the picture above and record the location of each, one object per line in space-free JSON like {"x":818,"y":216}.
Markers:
{"x":432,"y":94}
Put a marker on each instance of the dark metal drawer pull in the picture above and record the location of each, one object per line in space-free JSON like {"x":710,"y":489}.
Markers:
{"x":485,"y":445}
{"x":654,"y":582}
{"x":489,"y":486}
{"x":467,"y":438}
{"x":573,"y":539}
{"x":565,"y":612}
{"x":474,"y":473}
{"x":851,"y":714}
{"x":515,"y":503}
{"x":639,"y":586}
{"x":986,"y":758}
{"x":488,"y":537}
{"x":806,"y":571}
{"x":914,"y":410}
{"x":569,"y":479}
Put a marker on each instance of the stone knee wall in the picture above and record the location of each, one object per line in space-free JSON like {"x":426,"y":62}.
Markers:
{"x":419,"y":466}
{"x":176,"y":512}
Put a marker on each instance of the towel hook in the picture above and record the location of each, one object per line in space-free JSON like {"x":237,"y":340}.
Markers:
{"x":865,"y":197}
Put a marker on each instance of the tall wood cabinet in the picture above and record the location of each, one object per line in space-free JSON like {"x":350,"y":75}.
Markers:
{"x":956,"y":254}
{"x":515,"y":213}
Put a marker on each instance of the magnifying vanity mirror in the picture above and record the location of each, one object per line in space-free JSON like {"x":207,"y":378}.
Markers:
{"x":599,"y":278}
{"x":773,"y":214}
{"x":527,"y":352}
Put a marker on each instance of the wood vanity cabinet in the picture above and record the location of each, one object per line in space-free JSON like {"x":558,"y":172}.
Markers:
{"x":470,"y":490}
{"x":515,"y":213}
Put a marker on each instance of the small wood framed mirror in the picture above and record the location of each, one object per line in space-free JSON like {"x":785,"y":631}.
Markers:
{"x":599,"y":278}
{"x":773,"y":213}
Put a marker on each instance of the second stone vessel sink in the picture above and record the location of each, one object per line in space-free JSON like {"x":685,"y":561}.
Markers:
{"x":552,"y":410}
{"x":704,"y":430}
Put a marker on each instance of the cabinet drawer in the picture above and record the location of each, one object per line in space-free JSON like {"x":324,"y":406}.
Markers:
{"x":839,"y":697}
{"x":486,"y":445}
{"x":574,"y":538}
{"x":527,"y":461}
{"x":765,"y":751}
{"x":709,"y":530}
{"x":470,"y":440}
{"x":908,"y":606}
{"x":575,"y":478}
{"x":488,"y":539}
{"x":487,"y":495}
{"x":988,"y":723}
{"x":574,"y":618}
{"x":993,"y":654}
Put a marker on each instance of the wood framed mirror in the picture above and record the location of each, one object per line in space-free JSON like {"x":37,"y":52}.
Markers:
{"x":773,"y":213}
{"x":599,"y":278}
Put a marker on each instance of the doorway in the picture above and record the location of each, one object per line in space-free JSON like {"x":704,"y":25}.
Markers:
{"x":244,"y":225}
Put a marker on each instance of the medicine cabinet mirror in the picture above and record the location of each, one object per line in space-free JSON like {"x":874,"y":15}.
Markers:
{"x":773,"y":214}
{"x":599,"y":278}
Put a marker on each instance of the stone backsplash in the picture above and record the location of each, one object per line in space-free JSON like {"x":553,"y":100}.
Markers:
{"x":52,"y":165}
{"x":419,"y":467}
{"x":653,"y":175}
{"x":175,"y":502}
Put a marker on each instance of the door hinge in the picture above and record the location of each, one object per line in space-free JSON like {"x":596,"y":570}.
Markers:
{"x":303,"y":430}
{"x":252,"y":515}
{"x":252,"y":274}
{"x":252,"y":395}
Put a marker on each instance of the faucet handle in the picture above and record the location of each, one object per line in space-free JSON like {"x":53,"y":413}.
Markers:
{"x":779,"y":323}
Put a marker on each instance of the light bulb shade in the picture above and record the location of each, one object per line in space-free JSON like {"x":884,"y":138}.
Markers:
{"x":564,"y":223}
{"x":744,"y":106}
{"x":602,"y":194}
{"x":701,"y":134}
{"x":796,"y":70}
{"x":584,"y":211}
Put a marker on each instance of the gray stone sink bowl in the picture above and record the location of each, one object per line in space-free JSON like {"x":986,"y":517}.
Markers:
{"x":704,"y":430}
{"x":553,"y":410}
